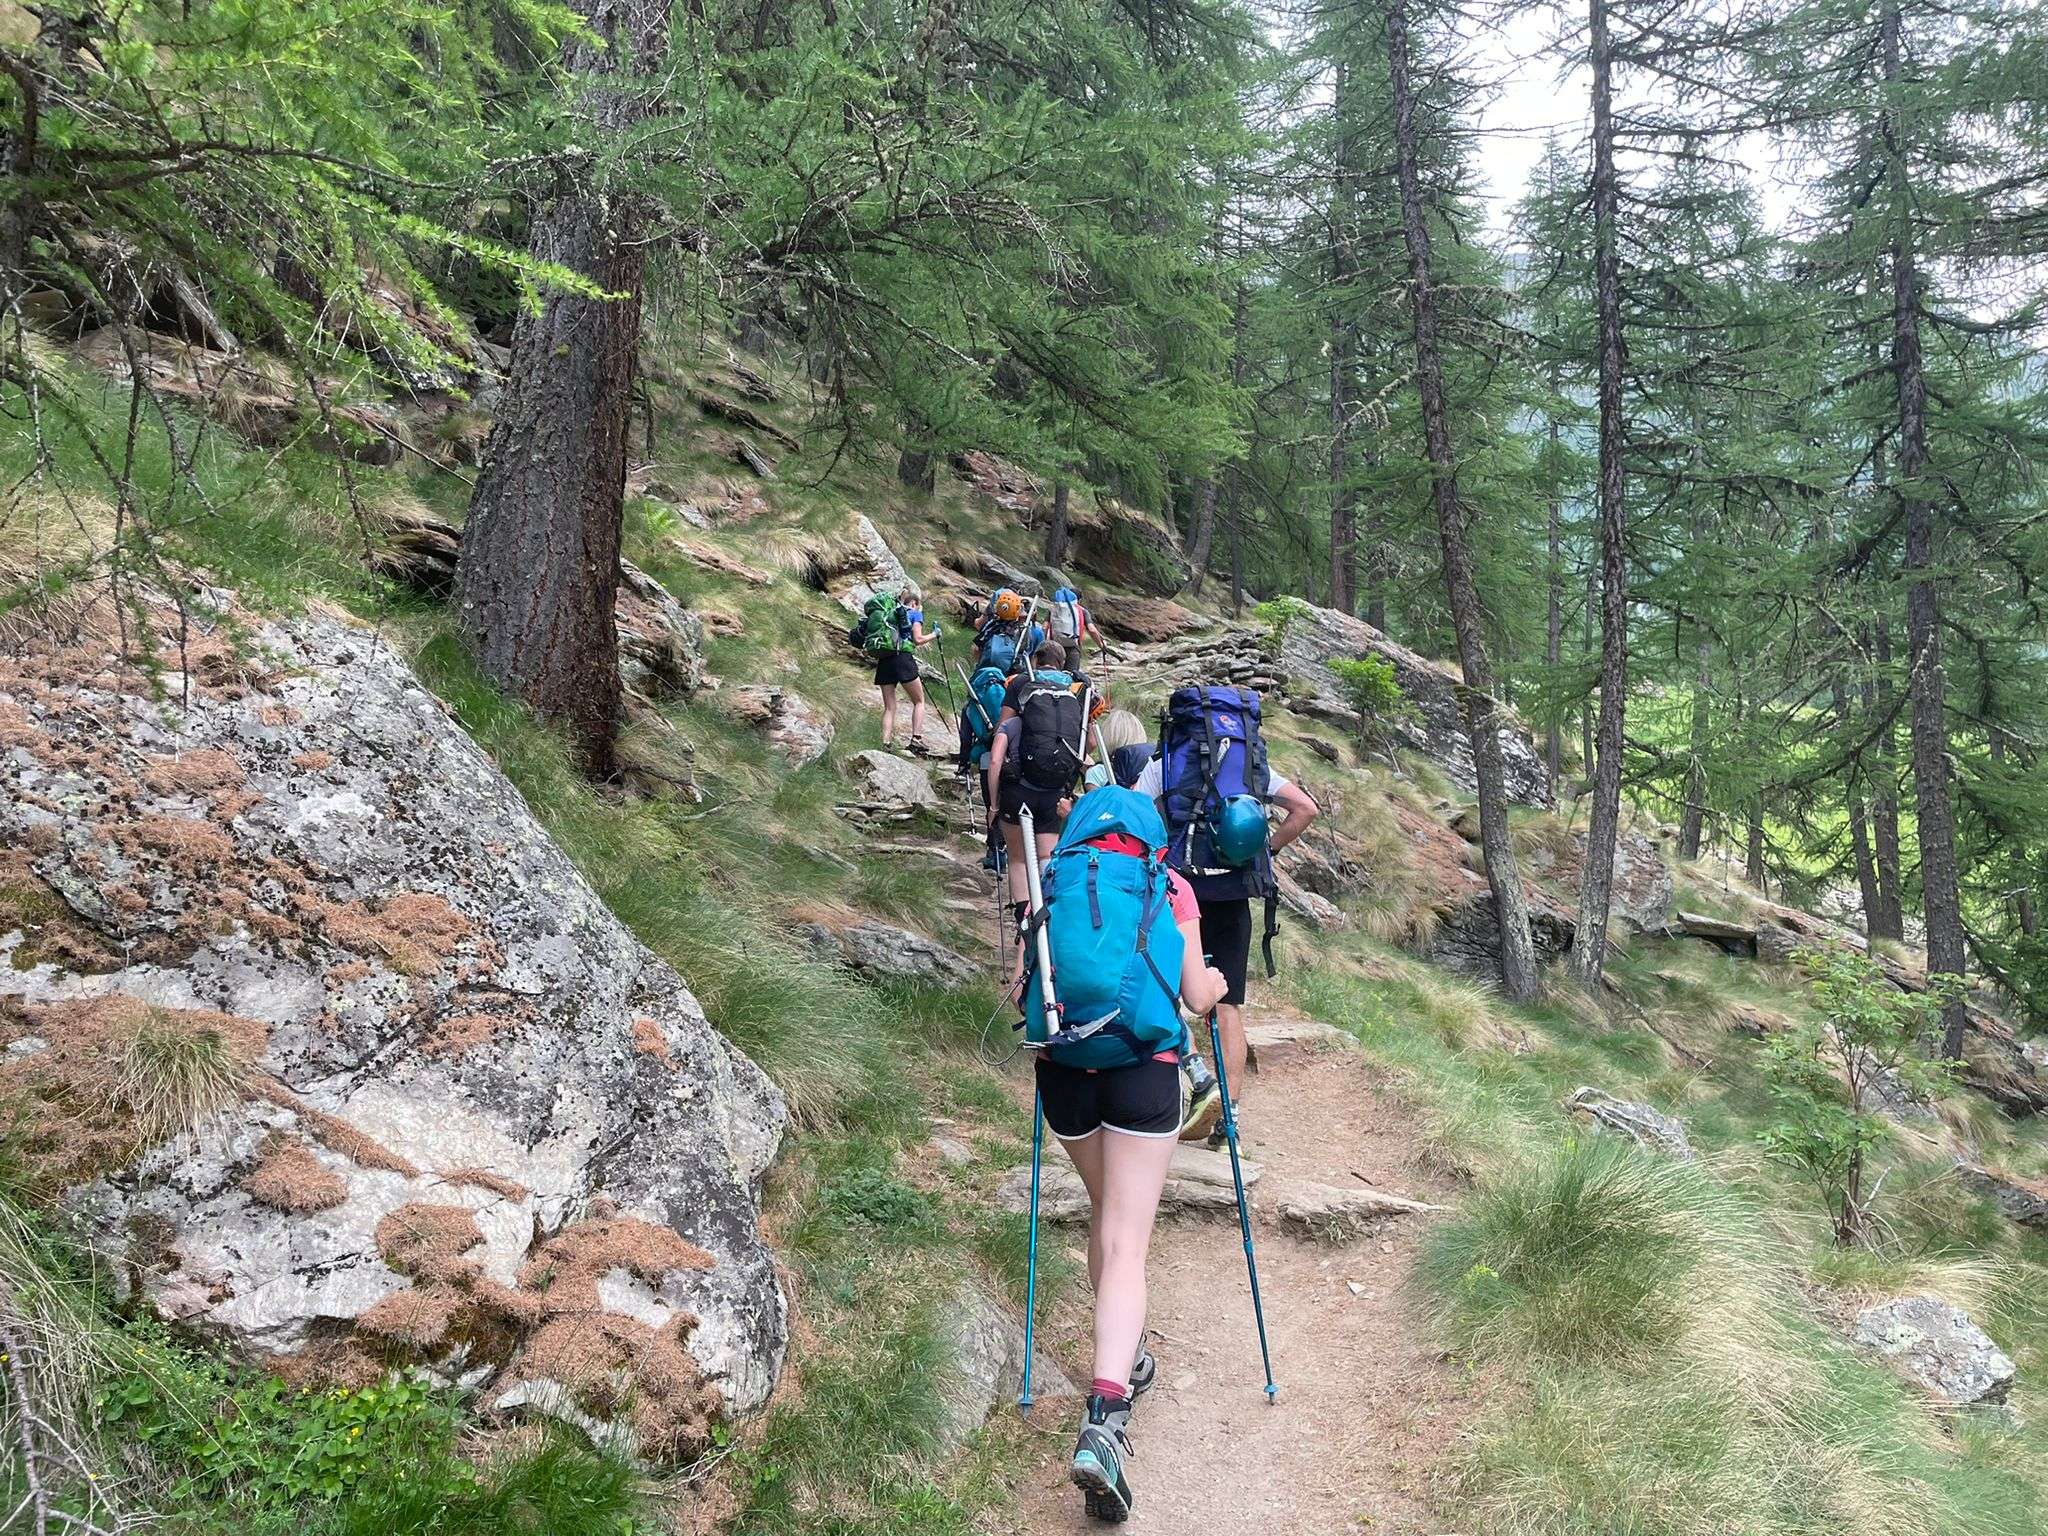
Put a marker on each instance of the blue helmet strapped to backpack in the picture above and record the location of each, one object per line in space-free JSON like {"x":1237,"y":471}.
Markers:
{"x":1116,"y":950}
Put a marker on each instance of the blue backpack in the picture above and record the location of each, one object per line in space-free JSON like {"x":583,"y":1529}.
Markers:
{"x":1210,"y":748}
{"x":1116,"y":952}
{"x":999,"y":651}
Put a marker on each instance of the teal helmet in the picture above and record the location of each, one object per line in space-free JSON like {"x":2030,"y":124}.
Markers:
{"x":1237,"y":832}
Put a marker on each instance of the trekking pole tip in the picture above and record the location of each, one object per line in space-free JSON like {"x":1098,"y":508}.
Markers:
{"x":1272,"y":1394}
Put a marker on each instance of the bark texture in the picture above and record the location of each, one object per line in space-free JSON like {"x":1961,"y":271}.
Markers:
{"x":1056,"y":526}
{"x":1343,"y":366}
{"x":538,"y":576}
{"x":1510,"y":900}
{"x":1940,"y":882}
{"x":1589,"y":945}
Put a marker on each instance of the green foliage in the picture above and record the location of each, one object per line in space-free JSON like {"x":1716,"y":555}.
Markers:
{"x":1829,"y":1073}
{"x":251,"y":1440}
{"x":1371,"y":688}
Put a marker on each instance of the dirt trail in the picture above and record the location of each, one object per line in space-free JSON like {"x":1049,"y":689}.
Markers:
{"x":1366,"y":1405}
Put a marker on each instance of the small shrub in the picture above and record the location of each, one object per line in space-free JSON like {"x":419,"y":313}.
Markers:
{"x":1371,"y":688}
{"x":1827,"y":1076}
{"x":1276,"y":614}
{"x":880,"y":1200}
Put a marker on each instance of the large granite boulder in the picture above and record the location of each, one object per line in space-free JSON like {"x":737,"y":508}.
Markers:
{"x":883,"y":952}
{"x":1126,"y":547}
{"x":983,"y":1365}
{"x":1936,"y":1347}
{"x":466,"y":1121}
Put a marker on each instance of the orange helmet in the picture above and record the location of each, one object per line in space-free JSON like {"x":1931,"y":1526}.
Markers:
{"x":1008,"y":606}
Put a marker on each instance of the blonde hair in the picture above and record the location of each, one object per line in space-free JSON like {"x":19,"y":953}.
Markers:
{"x":1121,"y":728}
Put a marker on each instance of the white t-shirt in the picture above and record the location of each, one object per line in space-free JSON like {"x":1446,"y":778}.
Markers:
{"x":1151,"y":780}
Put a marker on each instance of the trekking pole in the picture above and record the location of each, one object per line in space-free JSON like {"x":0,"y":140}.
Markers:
{"x":1050,"y":1005}
{"x":1024,"y":646}
{"x":1031,"y":1259}
{"x":939,"y":639}
{"x":1244,"y":1218}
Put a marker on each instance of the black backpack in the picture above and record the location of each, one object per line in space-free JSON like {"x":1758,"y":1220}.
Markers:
{"x":1051,"y":734}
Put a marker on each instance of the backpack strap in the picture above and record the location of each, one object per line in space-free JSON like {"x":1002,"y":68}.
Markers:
{"x":1155,"y":897}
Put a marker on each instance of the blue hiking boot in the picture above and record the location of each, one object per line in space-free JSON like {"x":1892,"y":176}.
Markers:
{"x":1099,"y":1457}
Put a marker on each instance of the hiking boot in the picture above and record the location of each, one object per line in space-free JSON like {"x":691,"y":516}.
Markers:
{"x":1144,"y":1372}
{"x":1099,"y":1457}
{"x":1219,"y":1138}
{"x":1204,"y":1113}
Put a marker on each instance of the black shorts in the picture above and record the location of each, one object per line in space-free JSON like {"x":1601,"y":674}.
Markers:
{"x":1012,"y":796}
{"x":895,"y":666}
{"x":1143,"y":1100}
{"x":1227,"y":941}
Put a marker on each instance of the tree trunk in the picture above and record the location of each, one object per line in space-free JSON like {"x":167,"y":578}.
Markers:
{"x":918,"y":468}
{"x":1695,"y":813}
{"x":1056,"y":526}
{"x":1235,"y":502}
{"x":1884,"y":792}
{"x":1596,"y":879}
{"x":1343,"y":363}
{"x":1859,"y":823}
{"x":1753,"y":854}
{"x":1510,"y":901}
{"x":1934,"y":812}
{"x":1588,"y":751}
{"x":1203,"y":533}
{"x":538,"y":574}
{"x":1553,"y":615}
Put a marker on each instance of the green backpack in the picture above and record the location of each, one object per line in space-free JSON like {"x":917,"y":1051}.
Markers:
{"x":881,"y":626}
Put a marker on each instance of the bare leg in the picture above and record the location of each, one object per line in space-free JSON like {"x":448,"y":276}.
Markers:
{"x":1230,"y":1025}
{"x":1125,"y":1197}
{"x":888,"y":714}
{"x":915,"y":688}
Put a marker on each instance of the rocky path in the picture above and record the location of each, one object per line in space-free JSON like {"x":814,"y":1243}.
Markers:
{"x":1366,"y":1405}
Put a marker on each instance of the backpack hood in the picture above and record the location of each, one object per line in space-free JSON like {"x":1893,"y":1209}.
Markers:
{"x":1112,"y":808}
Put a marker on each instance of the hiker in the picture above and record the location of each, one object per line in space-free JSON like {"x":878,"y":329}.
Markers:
{"x":1001,"y":639}
{"x":1048,"y":665}
{"x":1110,"y":1088}
{"x":1035,"y":759}
{"x":1211,"y":781}
{"x":1124,"y":739}
{"x":980,"y":719}
{"x":890,"y":629}
{"x":1069,"y":624}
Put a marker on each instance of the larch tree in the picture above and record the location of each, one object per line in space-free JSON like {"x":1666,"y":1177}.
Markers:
{"x":538,"y":576}
{"x":1482,"y":709}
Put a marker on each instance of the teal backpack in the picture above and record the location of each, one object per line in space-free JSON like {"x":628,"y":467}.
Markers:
{"x":1116,"y":952}
{"x":984,"y":708}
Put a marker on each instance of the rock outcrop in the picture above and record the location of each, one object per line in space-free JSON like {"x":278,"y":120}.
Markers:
{"x":1650,"y":1129}
{"x":796,"y":730}
{"x":1329,"y":1214}
{"x":883,"y":952}
{"x":473,"y":1124}
{"x":984,"y":1365}
{"x":892,"y":788}
{"x":2024,"y":1201}
{"x":1297,"y":665}
{"x":1935,"y":1346}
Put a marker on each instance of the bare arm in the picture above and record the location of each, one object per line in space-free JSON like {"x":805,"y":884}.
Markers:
{"x":998,"y":750}
{"x":1301,"y":810}
{"x":1201,"y":985}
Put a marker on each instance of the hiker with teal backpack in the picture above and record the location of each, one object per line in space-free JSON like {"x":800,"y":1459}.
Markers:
{"x":1118,"y":941}
{"x":1215,"y":791}
{"x":1006,"y":634}
{"x":890,"y":629}
{"x":1035,"y":761}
